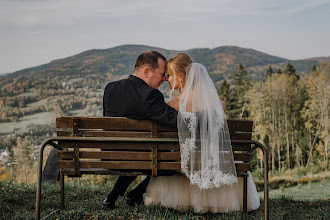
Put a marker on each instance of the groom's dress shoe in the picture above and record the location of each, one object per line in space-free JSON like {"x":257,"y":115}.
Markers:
{"x":108,"y":204}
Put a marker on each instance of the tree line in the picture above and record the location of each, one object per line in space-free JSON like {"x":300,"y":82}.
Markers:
{"x":290,"y":113}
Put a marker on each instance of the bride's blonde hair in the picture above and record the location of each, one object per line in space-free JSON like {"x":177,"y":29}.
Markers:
{"x":176,"y":67}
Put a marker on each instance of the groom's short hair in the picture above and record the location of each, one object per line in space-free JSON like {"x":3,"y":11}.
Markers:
{"x":150,"y":58}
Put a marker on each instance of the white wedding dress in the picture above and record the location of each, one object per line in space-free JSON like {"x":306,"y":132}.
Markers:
{"x":176,"y":192}
{"x":210,"y":183}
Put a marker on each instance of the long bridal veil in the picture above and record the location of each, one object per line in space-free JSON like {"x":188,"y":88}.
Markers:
{"x":206,"y":152}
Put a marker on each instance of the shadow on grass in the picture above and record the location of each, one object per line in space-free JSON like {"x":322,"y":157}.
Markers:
{"x":17,"y":201}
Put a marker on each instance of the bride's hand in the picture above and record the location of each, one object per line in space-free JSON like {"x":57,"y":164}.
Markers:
{"x":223,"y":105}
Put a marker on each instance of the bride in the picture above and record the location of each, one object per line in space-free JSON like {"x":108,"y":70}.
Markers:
{"x":210,"y":183}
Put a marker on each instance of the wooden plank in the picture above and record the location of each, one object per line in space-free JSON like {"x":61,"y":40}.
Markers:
{"x":111,"y":155}
{"x":170,"y":134}
{"x":242,"y":156}
{"x":237,"y":125}
{"x":136,"y":165}
{"x":76,"y":158}
{"x":169,"y":165}
{"x":75,"y":126}
{"x":241,"y":136}
{"x":154,"y":160}
{"x":242,"y":167}
{"x":133,"y":155}
{"x":131,"y":165}
{"x":137,"y":134}
{"x":138,"y":146}
{"x":101,"y":133}
{"x":107,"y":123}
{"x":177,"y":166}
{"x":169,"y":156}
{"x":122,"y":124}
{"x":65,"y":155}
{"x":98,"y":171}
{"x":240,"y":125}
{"x":66,"y":133}
{"x":120,"y":146}
{"x":241,"y":147}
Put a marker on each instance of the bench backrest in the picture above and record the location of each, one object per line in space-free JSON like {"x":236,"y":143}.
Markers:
{"x":133,"y":149}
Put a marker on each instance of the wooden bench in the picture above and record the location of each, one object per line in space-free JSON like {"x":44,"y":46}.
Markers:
{"x":122,"y":146}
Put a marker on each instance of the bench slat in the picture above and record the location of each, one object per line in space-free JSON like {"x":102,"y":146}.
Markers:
{"x":70,"y":172}
{"x":133,"y":155}
{"x":241,"y":147}
{"x":107,"y":123}
{"x":120,"y":146}
{"x":242,"y":156}
{"x":126,"y":124}
{"x":94,"y":133}
{"x":169,"y":156}
{"x":240,"y":125}
{"x":138,"y":146}
{"x":135,"y":165}
{"x":112,"y":155}
{"x":132,"y":165}
{"x":177,"y":166}
{"x":98,"y":133}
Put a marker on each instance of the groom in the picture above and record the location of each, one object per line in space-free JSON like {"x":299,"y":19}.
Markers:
{"x":138,"y":97}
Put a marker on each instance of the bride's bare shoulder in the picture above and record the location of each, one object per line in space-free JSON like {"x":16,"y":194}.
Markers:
{"x":174,"y":103}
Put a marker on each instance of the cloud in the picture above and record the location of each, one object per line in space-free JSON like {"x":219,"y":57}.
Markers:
{"x":58,"y":28}
{"x":42,"y":13}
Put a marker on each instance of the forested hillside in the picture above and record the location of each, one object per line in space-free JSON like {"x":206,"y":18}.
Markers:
{"x":287,"y":100}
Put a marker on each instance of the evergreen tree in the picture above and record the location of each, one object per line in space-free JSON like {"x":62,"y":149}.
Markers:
{"x":239,"y":76}
{"x":314,"y":67}
{"x":225,"y":91}
{"x":290,"y":70}
{"x":269,"y":71}
{"x":279,"y":71}
{"x":225,"y":95}
{"x":237,"y":109}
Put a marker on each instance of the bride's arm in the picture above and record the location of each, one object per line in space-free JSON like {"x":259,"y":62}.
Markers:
{"x":174,"y":104}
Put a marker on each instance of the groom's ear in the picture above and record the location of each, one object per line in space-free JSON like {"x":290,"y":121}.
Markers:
{"x":146,"y":72}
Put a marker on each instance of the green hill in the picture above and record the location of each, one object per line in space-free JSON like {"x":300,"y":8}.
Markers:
{"x":221,"y":62}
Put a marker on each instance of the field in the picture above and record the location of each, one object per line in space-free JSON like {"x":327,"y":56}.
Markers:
{"x":84,"y":202}
{"x":43,"y":118}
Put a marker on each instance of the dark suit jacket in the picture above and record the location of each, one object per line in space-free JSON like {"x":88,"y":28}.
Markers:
{"x":133,"y":98}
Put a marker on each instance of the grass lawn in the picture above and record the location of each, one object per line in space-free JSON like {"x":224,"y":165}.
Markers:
{"x":305,"y":192}
{"x":17,"y":201}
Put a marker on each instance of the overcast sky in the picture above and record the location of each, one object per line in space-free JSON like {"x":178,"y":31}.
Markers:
{"x":35,"y":32}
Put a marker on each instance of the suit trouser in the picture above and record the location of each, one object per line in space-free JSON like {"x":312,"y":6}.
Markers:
{"x":122,"y":184}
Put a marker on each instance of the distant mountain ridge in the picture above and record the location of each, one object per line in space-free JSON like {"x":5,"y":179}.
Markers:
{"x":320,"y":59}
{"x":221,"y":62}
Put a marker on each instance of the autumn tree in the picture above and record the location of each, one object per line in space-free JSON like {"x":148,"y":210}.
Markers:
{"x":316,"y":110}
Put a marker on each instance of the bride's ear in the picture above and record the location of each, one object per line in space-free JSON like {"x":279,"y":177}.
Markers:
{"x":182,"y":77}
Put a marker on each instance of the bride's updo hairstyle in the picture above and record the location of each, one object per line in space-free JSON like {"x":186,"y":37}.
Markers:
{"x":176,"y":67}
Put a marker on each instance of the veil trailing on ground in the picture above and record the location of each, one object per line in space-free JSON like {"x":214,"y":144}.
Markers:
{"x":206,"y":152}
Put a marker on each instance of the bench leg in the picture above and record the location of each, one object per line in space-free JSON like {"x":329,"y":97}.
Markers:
{"x":245,"y":194}
{"x":62,"y":190}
